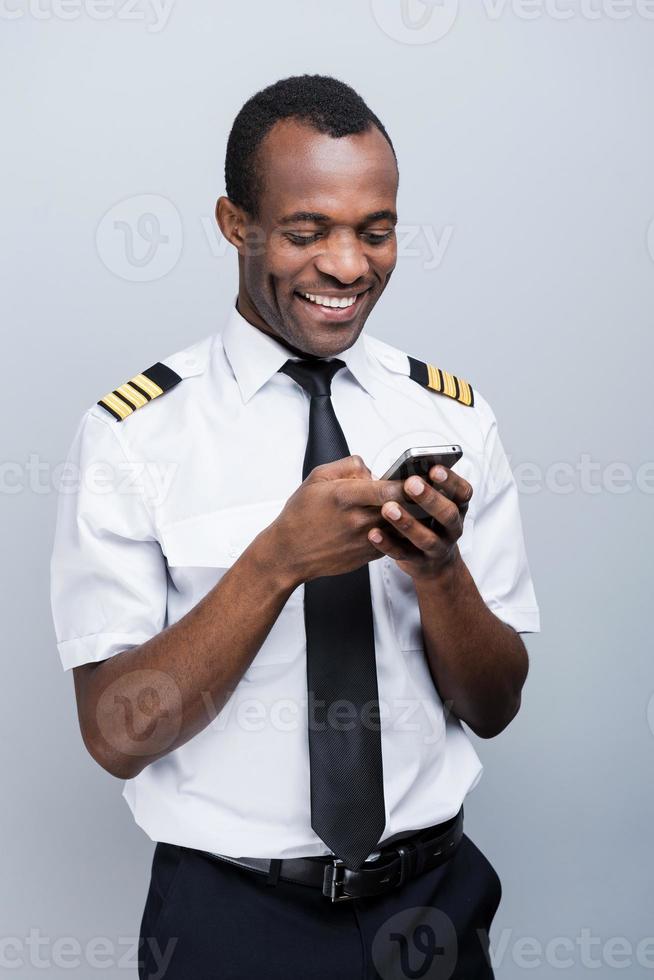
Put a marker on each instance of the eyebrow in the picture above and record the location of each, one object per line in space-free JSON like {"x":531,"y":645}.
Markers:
{"x":315,"y":217}
{"x":380,"y":216}
{"x":297,"y":216}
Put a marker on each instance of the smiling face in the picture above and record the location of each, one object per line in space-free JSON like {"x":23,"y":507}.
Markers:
{"x":322,"y":249}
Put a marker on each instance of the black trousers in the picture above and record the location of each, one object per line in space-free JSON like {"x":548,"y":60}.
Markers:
{"x":207,"y":920}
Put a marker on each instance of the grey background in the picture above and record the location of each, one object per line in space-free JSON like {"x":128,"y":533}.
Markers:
{"x":530,"y":138}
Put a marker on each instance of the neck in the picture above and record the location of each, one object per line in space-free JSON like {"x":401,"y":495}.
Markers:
{"x":249,"y":313}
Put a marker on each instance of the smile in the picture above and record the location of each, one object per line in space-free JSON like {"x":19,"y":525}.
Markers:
{"x":334,"y":302}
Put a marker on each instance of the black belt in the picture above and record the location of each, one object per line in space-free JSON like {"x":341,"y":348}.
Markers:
{"x":408,"y":858}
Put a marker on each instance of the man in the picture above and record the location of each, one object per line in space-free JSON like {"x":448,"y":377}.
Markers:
{"x":274,"y":654}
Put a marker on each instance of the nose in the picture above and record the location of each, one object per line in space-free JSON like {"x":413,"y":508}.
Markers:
{"x":343,"y":257}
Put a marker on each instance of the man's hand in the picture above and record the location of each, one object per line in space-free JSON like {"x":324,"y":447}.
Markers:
{"x":419,"y":551}
{"x":478,"y":663}
{"x":324,"y":526}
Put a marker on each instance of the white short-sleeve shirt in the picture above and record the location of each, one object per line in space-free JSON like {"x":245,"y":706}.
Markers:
{"x":152,"y":512}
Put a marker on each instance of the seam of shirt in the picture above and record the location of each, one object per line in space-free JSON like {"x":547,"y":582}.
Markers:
{"x":91,"y":636}
{"x":517,"y":608}
{"x":415,"y":395}
{"x":486,"y":456}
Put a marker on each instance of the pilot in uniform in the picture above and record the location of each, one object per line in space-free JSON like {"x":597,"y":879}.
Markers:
{"x":177,"y":472}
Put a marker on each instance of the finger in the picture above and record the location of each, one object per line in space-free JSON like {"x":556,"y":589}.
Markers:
{"x":451,"y":485}
{"x":373,"y":493}
{"x":347,"y":468}
{"x":441,"y":508}
{"x":389,"y":545}
{"x":413,"y":530}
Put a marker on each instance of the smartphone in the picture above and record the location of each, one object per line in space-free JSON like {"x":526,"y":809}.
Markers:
{"x":418,"y":461}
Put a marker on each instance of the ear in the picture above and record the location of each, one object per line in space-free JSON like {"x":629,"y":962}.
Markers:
{"x":232,"y":222}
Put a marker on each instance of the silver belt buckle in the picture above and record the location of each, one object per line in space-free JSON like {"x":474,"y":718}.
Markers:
{"x":334,"y":881}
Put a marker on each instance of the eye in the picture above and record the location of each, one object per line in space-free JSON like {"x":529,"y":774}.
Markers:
{"x":378,"y":237}
{"x":302,"y":239}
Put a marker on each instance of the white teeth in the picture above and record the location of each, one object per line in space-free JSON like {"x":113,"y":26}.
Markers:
{"x":331,"y":301}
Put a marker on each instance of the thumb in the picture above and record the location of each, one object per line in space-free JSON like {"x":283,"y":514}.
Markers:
{"x":347,"y":468}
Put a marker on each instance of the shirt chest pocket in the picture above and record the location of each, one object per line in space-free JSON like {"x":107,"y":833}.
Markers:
{"x":401,"y":595}
{"x":199,"y":550}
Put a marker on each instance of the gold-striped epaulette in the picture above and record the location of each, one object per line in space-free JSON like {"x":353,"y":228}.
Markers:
{"x":139,"y":390}
{"x":441,"y":381}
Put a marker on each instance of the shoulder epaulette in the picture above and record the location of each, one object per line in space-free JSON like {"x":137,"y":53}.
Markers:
{"x":441,"y":381}
{"x":139,"y":390}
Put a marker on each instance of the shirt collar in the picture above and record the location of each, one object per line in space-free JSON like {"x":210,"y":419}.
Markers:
{"x":255,"y":356}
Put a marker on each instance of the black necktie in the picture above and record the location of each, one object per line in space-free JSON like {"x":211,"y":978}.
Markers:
{"x":347,"y":788}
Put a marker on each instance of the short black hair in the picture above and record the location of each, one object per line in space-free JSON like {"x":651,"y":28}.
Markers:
{"x":327,"y":104}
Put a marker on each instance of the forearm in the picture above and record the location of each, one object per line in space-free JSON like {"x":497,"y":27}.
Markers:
{"x":182,"y":677}
{"x":477,"y":662}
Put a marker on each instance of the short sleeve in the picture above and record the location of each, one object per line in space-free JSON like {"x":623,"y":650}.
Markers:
{"x":108,"y":575}
{"x":498,"y":560}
